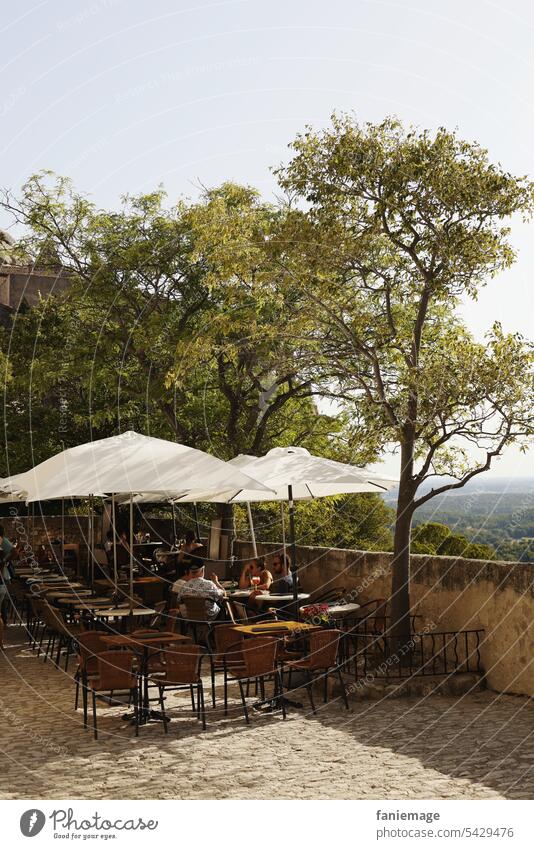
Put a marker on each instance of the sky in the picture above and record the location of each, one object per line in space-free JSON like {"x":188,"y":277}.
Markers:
{"x":125,"y":95}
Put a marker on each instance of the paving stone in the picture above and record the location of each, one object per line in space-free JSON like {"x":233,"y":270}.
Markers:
{"x":476,"y":746}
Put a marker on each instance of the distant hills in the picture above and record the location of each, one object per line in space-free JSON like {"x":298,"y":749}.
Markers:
{"x":492,"y":510}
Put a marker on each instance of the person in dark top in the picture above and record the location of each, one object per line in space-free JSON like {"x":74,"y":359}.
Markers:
{"x":283,"y":577}
{"x":190,"y":545}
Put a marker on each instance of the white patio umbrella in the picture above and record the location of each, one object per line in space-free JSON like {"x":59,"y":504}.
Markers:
{"x":128,"y":463}
{"x":308,"y":475}
{"x":295,"y":474}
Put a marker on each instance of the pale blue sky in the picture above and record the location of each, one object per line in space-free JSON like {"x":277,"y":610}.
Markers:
{"x":122,"y":95}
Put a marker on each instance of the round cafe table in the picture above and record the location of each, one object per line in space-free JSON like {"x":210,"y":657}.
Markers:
{"x":266,"y":598}
{"x":340,"y":611}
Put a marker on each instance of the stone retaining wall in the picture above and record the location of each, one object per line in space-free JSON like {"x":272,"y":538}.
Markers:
{"x":453,"y":593}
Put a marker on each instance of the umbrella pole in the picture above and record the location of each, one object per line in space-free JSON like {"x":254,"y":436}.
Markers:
{"x":252,"y":532}
{"x":282,"y":517}
{"x":63,"y":534}
{"x":89,"y":538}
{"x":197,"y":526}
{"x":115,"y":578}
{"x":293,"y":550}
{"x":131,"y":553}
{"x":173,"y":524}
{"x":92,"y":539}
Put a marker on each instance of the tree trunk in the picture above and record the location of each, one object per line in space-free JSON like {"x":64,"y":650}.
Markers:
{"x":400,"y":578}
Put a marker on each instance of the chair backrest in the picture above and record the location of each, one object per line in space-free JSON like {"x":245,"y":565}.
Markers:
{"x":182,"y":664}
{"x":194,"y":608}
{"x":90,"y":644}
{"x":332,"y":594}
{"x":238,"y":610}
{"x":173,"y":619}
{"x":153,"y":593}
{"x":100,"y":556}
{"x":158,"y":617}
{"x":115,"y":670}
{"x":53,"y":618}
{"x":323,"y":648}
{"x":259,"y":655}
{"x":225,"y":636}
{"x":36,"y":605}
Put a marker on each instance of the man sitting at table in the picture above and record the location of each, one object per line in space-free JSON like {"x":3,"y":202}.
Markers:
{"x":182,"y":579}
{"x":283,"y":577}
{"x":198,"y":585}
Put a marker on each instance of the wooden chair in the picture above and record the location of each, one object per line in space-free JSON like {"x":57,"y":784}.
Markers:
{"x":195,"y":618}
{"x":158,"y":619}
{"x":182,"y":672}
{"x":115,"y":675}
{"x":89,"y":646}
{"x":333,"y":594}
{"x":174,"y":620}
{"x":250,"y":660}
{"x":320,"y":661}
{"x":237,"y":611}
{"x":57,"y":628}
{"x":222,"y":638}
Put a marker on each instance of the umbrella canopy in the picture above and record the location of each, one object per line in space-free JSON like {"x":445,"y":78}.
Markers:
{"x":308,"y":475}
{"x":128,"y":463}
{"x":295,"y":474}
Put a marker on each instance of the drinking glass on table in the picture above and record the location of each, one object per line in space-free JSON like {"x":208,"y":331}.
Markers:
{"x":255,"y":581}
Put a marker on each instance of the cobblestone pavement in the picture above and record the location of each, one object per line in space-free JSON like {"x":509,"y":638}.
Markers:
{"x":478,"y":747}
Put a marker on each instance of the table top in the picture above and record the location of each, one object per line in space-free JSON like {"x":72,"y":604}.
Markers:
{"x":121,"y":612}
{"x":339,"y":609}
{"x":163,"y":638}
{"x":343,"y":609}
{"x":265,"y":597}
{"x":49,"y":579}
{"x":63,"y":594}
{"x":85,"y":603}
{"x":34,"y":573}
{"x":124,"y":582}
{"x":146,"y":580}
{"x":275,"y":628}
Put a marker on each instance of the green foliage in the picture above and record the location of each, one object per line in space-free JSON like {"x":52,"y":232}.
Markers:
{"x":437,"y":538}
{"x":431,"y":534}
{"x":394,"y":228}
{"x":163,"y":329}
{"x":350,"y":521}
{"x":398,"y":226}
{"x":479,"y":551}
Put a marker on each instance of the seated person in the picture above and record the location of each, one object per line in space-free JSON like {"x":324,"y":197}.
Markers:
{"x":189,"y":546}
{"x":108,"y":546}
{"x":44,"y":557}
{"x":283,"y":577}
{"x":197,"y":585}
{"x":182,"y":579}
{"x":123,"y":550}
{"x":255,"y":569}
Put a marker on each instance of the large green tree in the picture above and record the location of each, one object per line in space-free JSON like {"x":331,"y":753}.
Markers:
{"x":163,"y":328}
{"x":395,"y":228}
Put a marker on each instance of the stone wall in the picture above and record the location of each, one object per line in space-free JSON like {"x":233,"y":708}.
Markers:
{"x":452,"y":593}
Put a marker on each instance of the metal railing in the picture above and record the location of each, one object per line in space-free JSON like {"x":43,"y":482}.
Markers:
{"x":438,"y":653}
